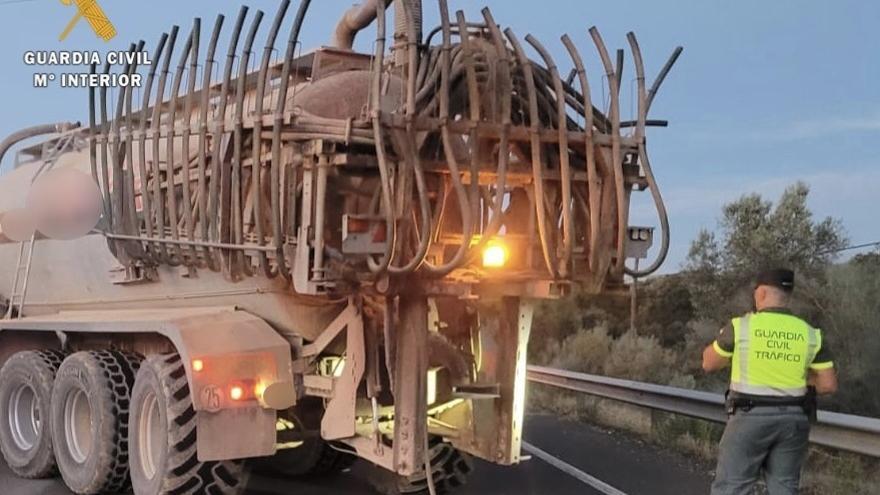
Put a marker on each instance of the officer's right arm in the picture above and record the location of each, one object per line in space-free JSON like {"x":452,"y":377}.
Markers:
{"x":717,"y":355}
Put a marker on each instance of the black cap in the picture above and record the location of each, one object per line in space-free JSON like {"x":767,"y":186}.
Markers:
{"x":779,"y":277}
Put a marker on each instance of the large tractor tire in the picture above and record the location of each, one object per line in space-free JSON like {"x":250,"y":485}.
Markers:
{"x":26,"y":398}
{"x":90,"y":406}
{"x":449,"y":466}
{"x":163,"y":437}
{"x":313,"y":457}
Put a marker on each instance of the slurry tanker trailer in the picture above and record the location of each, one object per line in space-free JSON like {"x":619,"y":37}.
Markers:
{"x":309,"y":258}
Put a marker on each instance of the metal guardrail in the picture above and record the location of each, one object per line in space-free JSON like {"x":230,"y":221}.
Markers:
{"x":848,"y":432}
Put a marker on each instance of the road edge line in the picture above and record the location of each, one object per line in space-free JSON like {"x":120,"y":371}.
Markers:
{"x":571,"y":470}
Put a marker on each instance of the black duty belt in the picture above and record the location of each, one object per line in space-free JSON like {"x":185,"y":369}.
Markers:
{"x":807,"y":402}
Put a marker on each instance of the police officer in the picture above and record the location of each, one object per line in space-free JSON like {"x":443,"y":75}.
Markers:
{"x":776,"y":360}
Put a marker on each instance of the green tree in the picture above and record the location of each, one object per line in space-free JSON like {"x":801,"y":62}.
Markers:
{"x":754,"y":234}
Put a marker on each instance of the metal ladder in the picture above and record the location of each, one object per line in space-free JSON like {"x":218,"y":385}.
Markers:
{"x":20,"y":279}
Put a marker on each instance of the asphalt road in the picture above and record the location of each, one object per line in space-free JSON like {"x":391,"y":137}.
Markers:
{"x":618,"y":460}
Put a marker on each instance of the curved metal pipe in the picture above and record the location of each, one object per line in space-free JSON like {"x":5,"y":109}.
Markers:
{"x":564,"y":162}
{"x":186,"y":181}
{"x":142,"y":128}
{"x":238,"y":137}
{"x":384,"y":170}
{"x":643,"y":101}
{"x":535,"y":145}
{"x":221,"y":170}
{"x":133,"y":226}
{"x":616,"y":157}
{"x":171,"y":188}
{"x":454,"y":171}
{"x":156,"y":131}
{"x":93,"y":145}
{"x":410,"y":146}
{"x":661,"y":76}
{"x":105,"y":170}
{"x":505,"y":85}
{"x":117,"y":151}
{"x":277,"y":123}
{"x":473,"y":90}
{"x":257,"y":165}
{"x":593,"y":185}
{"x":206,"y":214}
{"x":31,"y":132}
{"x":353,"y":21}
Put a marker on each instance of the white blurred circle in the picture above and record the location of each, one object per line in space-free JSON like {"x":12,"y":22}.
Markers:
{"x":65,"y":203}
{"x":17,"y":225}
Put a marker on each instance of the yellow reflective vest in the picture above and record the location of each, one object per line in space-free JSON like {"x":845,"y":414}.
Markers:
{"x":772,"y":354}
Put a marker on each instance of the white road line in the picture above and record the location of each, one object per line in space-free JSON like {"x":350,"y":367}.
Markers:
{"x":571,"y":470}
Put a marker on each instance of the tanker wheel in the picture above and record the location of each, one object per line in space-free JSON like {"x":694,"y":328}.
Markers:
{"x":164,"y":460}
{"x":313,"y":456}
{"x":449,"y":466}
{"x":25,"y":396}
{"x":90,"y":406}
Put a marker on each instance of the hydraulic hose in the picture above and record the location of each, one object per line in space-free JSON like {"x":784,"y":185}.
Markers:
{"x":207,"y":212}
{"x":221,"y":170}
{"x":644,"y":100}
{"x":535,"y":145}
{"x":142,"y":131}
{"x":593,"y":183}
{"x":384,"y":170}
{"x":133,"y":227}
{"x":158,"y":198}
{"x":410,"y":147}
{"x":564,"y":162}
{"x":238,"y":144}
{"x":454,"y":171}
{"x":31,"y":132}
{"x":171,"y":189}
{"x":616,"y":158}
{"x":186,"y":181}
{"x":278,"y":121}
{"x":256,"y":162}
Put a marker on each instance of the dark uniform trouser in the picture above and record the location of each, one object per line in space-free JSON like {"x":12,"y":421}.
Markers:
{"x":772,"y":439}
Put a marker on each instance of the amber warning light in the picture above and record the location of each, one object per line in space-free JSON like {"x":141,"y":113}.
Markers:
{"x":495,"y":255}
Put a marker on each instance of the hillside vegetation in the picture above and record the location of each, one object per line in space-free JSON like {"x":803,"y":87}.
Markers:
{"x":680,"y":314}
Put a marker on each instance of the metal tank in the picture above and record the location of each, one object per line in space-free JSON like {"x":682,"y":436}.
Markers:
{"x":334,"y":255}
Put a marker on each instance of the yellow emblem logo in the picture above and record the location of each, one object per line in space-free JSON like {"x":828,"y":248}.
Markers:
{"x":95,"y":16}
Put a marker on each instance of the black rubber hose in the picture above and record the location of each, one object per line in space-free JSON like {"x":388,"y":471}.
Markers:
{"x":186,"y":181}
{"x":411,"y":150}
{"x":105,"y":167}
{"x":454,"y":171}
{"x":221,"y":189}
{"x":136,"y":250}
{"x":257,"y":165}
{"x":238,"y":145}
{"x":117,"y":153}
{"x":142,"y":129}
{"x":158,"y":198}
{"x":643,"y":100}
{"x":207,"y":214}
{"x":278,"y":122}
{"x":171,"y":188}
{"x":379,"y":137}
